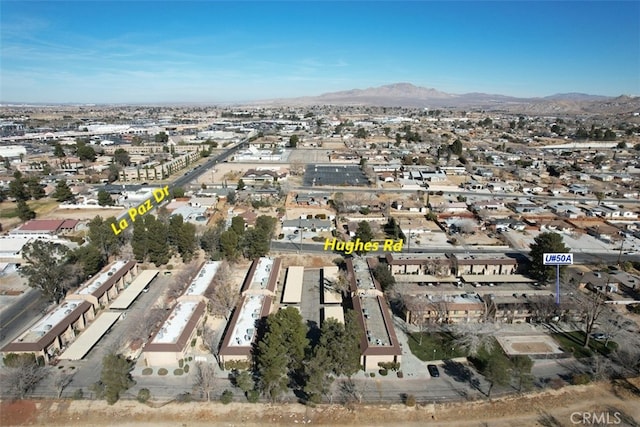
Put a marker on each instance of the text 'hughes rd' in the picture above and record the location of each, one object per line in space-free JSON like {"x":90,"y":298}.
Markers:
{"x":388,"y":245}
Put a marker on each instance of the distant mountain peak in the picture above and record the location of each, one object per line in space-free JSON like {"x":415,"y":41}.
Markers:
{"x":404,"y":94}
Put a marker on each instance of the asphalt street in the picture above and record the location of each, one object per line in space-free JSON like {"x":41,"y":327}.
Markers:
{"x":20,"y":314}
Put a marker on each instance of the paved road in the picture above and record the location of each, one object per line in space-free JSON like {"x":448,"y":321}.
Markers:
{"x":20,"y":314}
{"x":579,"y":257}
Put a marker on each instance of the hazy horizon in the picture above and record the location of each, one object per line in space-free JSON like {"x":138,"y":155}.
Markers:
{"x":220,"y":52}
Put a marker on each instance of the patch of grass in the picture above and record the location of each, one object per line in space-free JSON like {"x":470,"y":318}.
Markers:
{"x":41,"y":207}
{"x":8,"y":213}
{"x":147,"y":371}
{"x":571,"y":342}
{"x":162,"y":371}
{"x":481,"y":360}
{"x":435,"y":346}
{"x":178,"y":371}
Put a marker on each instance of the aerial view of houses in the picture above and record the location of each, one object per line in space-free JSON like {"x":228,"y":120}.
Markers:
{"x":389,"y":254}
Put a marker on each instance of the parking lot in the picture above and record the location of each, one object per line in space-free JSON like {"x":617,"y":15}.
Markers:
{"x":334,"y":175}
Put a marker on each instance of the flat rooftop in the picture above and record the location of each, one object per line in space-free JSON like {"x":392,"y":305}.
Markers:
{"x":245,"y":327}
{"x":85,"y":342}
{"x":131,"y":292}
{"x":176,"y":323}
{"x":374,"y":323}
{"x":330,"y":277}
{"x":484,"y":258}
{"x":293,"y":285}
{"x":335,"y":312}
{"x":53,"y":318}
{"x":14,"y":244}
{"x":101,"y":278}
{"x":501,"y":278}
{"x":400,"y":258}
{"x":203,"y":279}
{"x":261,"y":274}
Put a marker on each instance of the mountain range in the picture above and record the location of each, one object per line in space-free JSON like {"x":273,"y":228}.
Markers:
{"x":409,"y":95}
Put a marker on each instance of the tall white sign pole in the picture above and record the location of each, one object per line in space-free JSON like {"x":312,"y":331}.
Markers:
{"x":557,"y":260}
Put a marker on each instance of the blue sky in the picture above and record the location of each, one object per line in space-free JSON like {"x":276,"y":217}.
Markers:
{"x":214,"y":51}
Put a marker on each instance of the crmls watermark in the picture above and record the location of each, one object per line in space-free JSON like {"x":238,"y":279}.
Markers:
{"x":596,"y":418}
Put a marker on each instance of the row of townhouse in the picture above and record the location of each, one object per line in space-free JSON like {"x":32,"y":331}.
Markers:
{"x":154,"y":171}
{"x":51,"y":335}
{"x":451,"y":264}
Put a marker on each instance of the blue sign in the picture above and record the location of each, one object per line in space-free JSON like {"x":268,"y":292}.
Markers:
{"x":557,"y":259}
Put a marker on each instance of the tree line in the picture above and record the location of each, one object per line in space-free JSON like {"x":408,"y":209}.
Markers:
{"x":54,"y":268}
{"x":239,"y":240}
{"x":307,"y":366}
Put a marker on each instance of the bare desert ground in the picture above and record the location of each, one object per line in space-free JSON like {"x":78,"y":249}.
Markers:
{"x":621,"y":401}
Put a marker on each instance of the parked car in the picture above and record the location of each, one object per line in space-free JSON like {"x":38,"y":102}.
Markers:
{"x":433,"y":371}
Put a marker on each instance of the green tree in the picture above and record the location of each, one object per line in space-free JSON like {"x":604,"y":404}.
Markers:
{"x":456,"y":147}
{"x":341,"y":345}
{"x":121,"y":157}
{"x":546,"y":242}
{"x":150,"y":240}
{"x":496,"y":372}
{"x":116,"y":376}
{"x":182,"y":235}
{"x":25,"y":213}
{"x":244,"y":381}
{"x":157,"y":233}
{"x":255,"y":243}
{"x":161,"y":137}
{"x":229,"y":244}
{"x":383,"y":275}
{"x":238,"y":225}
{"x":177,"y":192}
{"x":293,"y":141}
{"x":284,"y":329}
{"x":62,"y":192}
{"x":84,"y":151}
{"x":46,"y":268}
{"x":89,"y":258}
{"x":232,"y":197}
{"x":361,"y":133}
{"x":267,"y":224}
{"x":317,"y":375}
{"x":241,"y":186}
{"x":17,"y":187}
{"x":35,"y":188}
{"x":103,"y":238}
{"x":363,"y":232}
{"x":599,"y":196}
{"x":393,"y":230}
{"x":104,"y":198}
{"x":58,"y":151}
{"x":521,"y":371}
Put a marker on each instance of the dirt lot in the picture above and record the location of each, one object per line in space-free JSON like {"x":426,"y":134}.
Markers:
{"x":553,"y":408}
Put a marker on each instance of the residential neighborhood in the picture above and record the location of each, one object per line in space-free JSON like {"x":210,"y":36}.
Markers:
{"x":331,"y":213}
